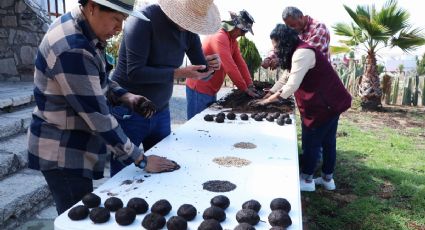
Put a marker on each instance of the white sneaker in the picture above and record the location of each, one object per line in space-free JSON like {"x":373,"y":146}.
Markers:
{"x":307,"y":186}
{"x":328,"y":185}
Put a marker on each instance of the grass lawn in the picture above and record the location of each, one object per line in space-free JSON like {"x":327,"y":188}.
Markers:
{"x":380,"y":174}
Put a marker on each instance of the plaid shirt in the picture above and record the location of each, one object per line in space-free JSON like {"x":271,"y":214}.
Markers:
{"x":71,"y":123}
{"x":317,"y":35}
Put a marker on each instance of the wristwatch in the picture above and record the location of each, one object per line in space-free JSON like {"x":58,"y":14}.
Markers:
{"x":143,"y":162}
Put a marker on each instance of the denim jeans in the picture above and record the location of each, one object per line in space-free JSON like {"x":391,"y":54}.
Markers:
{"x":67,"y":189}
{"x":317,"y":140}
{"x":140,"y":130}
{"x":196,"y":102}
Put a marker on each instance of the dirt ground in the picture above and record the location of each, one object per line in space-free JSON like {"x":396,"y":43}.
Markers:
{"x":402,"y":118}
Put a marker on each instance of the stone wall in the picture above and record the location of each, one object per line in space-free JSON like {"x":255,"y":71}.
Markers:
{"x":22,"y":26}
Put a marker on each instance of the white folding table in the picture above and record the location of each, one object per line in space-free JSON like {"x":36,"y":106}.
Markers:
{"x":273,"y":172}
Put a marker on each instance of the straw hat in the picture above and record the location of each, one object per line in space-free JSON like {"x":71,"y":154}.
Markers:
{"x":197,"y":16}
{"x":124,"y":6}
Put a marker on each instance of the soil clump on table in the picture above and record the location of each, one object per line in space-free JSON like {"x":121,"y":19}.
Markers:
{"x":187,"y":211}
{"x":125,"y":216}
{"x":238,"y":101}
{"x":245,"y":145}
{"x":218,"y":186}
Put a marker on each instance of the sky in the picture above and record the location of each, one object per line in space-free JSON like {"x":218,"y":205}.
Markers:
{"x":267,"y":13}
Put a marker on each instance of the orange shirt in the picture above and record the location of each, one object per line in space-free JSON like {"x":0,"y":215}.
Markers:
{"x":232,"y":64}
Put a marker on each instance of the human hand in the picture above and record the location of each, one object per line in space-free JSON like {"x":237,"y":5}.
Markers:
{"x":252,"y":93}
{"x":268,"y":94}
{"x":157,"y":164}
{"x":265,"y":63}
{"x":274,"y":63}
{"x":258,"y":102}
{"x":193,"y":71}
{"x":139,"y":104}
{"x":214,"y":61}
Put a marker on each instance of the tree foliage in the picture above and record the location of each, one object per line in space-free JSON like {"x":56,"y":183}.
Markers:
{"x":250,"y":54}
{"x":373,"y":30}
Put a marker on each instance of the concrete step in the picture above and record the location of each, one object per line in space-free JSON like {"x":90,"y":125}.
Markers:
{"x":16,"y":122}
{"x":22,"y":195}
{"x":13,"y":154}
{"x":15,"y":94}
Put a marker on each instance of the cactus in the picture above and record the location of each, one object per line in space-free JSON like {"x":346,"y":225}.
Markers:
{"x":423,"y":92}
{"x":394,"y":94}
{"x":416,"y":92}
{"x":407,"y":92}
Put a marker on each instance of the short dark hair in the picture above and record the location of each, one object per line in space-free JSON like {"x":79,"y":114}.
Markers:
{"x":287,"y":41}
{"x":101,"y":7}
{"x":291,"y":11}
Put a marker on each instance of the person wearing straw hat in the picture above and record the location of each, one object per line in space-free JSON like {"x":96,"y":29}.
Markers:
{"x":150,"y":58}
{"x":71,"y":124}
{"x":199,"y":93}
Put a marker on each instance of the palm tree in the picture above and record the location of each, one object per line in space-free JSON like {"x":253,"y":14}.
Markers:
{"x":371,"y":31}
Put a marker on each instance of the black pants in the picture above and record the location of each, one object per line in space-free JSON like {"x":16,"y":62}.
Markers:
{"x":67,"y":189}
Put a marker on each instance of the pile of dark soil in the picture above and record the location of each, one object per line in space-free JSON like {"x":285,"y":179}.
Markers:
{"x":238,"y":101}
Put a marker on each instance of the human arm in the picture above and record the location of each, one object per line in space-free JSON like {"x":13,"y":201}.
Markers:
{"x":222,"y":46}
{"x":302,"y":61}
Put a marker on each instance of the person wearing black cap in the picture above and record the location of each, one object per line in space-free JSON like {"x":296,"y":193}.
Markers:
{"x":200,"y":93}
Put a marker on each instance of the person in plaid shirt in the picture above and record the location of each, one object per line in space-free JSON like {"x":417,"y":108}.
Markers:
{"x":71,"y":124}
{"x":310,"y":31}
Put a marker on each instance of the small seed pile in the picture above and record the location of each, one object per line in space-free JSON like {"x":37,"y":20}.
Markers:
{"x":231,"y":161}
{"x":245,"y":145}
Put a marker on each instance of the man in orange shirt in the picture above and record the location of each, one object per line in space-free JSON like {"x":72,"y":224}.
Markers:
{"x":202,"y":93}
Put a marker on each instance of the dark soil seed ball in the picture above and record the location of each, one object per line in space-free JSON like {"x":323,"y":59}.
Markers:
{"x":244,"y":117}
{"x":270,"y":118}
{"x":210,"y":224}
{"x":219,"y":119}
{"x":99,"y":215}
{"x":153,"y":221}
{"x":91,"y":200}
{"x":244,"y":226}
{"x":252,"y":204}
{"x":79,"y":212}
{"x":288,"y":121}
{"x":258,"y":118}
{"x":254,"y":115}
{"x":138,"y":204}
{"x":125,"y":216}
{"x":276,"y":115}
{"x":220,"y":201}
{"x":162,"y":207}
{"x":247,"y":216}
{"x":231,"y":116}
{"x":277,"y":228}
{"x":214,"y":212}
{"x":280,"y":121}
{"x":279,"y":218}
{"x":280,"y":203}
{"x":221,"y":114}
{"x":113,"y":204}
{"x":176,"y":223}
{"x":284,"y":116}
{"x":187,"y":211}
{"x":209,"y":117}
